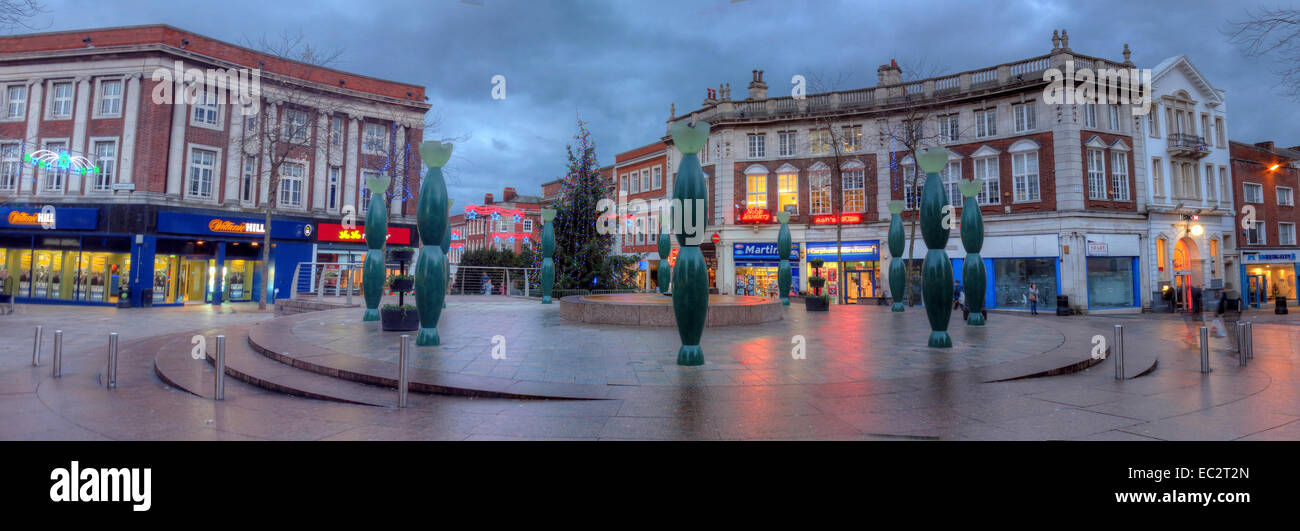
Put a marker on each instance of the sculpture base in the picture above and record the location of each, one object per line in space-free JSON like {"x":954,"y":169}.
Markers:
{"x":427,"y":337}
{"x":940,"y":339}
{"x":371,"y":314}
{"x":976,"y":319}
{"x":897,"y":307}
{"x":546,"y":299}
{"x":690,"y":355}
{"x":785,"y":301}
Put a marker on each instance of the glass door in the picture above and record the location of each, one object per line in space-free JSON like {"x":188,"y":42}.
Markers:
{"x":1256,"y":288}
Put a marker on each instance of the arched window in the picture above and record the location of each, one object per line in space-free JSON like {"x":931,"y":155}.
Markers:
{"x":853,"y":187}
{"x":787,"y":188}
{"x":756,"y":187}
{"x":1024,"y":171}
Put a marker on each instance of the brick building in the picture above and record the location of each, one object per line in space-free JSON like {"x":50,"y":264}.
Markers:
{"x":1265,"y":178}
{"x":182,"y":167}
{"x":1061,"y":182}
{"x":513,"y":223}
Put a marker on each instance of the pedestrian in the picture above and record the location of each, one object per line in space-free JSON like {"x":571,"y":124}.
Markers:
{"x":1033,"y":299}
{"x":956,"y":295}
{"x":486,"y":281}
{"x":773,"y":289}
{"x":10,"y":291}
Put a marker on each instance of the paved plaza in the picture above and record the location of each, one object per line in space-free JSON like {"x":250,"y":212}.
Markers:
{"x":863,"y":374}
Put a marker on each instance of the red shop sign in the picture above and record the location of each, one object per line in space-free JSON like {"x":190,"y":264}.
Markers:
{"x":333,"y":232}
{"x":756,"y":215}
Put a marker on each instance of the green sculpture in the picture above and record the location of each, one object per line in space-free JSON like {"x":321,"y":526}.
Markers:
{"x":783,"y":251}
{"x":972,"y":239}
{"x":690,"y":203}
{"x":431,"y":220}
{"x":936,"y":271}
{"x":897,"y":270}
{"x":548,"y":249}
{"x":446,"y":246}
{"x":665,"y":249}
{"x":373,"y":271}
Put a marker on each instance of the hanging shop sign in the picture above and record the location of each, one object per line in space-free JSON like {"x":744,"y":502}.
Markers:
{"x":333,"y":232}
{"x":849,"y":251}
{"x":222,"y":225}
{"x":847,"y":218}
{"x":52,"y":218}
{"x":756,"y":215}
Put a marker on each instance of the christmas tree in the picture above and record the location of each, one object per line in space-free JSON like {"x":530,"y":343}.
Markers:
{"x":582,"y":254}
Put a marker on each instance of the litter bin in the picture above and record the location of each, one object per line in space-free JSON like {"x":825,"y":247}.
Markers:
{"x":146,"y":298}
{"x":1062,"y":305}
{"x":1279,"y":305}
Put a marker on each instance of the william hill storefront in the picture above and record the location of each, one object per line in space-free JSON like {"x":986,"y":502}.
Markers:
{"x":61,"y":255}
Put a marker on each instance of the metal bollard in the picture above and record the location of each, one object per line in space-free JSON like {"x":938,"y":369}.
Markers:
{"x":1241,"y":342}
{"x":402,"y":381}
{"x":1119,"y":352}
{"x":111,"y":373}
{"x":219,"y":383}
{"x":1205,"y":350}
{"x":36,"y":346}
{"x":1250,"y":340}
{"x":58,"y":353}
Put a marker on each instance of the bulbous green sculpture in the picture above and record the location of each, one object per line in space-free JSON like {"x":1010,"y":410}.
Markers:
{"x":373,"y":271}
{"x":936,"y":271}
{"x":972,"y":239}
{"x":431,"y":219}
{"x":691,"y":274}
{"x":665,"y":249}
{"x":783,"y":251}
{"x":897,"y":270}
{"x":446,"y":247}
{"x":548,"y":249}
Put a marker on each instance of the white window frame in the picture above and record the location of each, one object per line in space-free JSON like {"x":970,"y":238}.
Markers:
{"x":657,"y":177}
{"x":787,"y":171}
{"x":333,"y":186}
{"x":991,"y":176}
{"x":757,"y":145}
{"x":1024,"y":116}
{"x":108,"y":177}
{"x":207,"y":103}
{"x":950,"y":126}
{"x":1211,"y":185}
{"x":1090,"y":115}
{"x":624,"y":188}
{"x":527,"y":226}
{"x":286,"y":123}
{"x":11,"y":167}
{"x":819,"y":141}
{"x":1246,"y":196}
{"x":1282,"y":236}
{"x":645,"y":180}
{"x":336,"y":131}
{"x":1259,"y":232}
{"x":284,"y":178}
{"x":102,"y":97}
{"x":7,"y":102}
{"x":853,"y":173}
{"x":1290,"y":195}
{"x":950,"y":176}
{"x":1116,"y":124}
{"x":370,"y":144}
{"x":52,"y":101}
{"x":1119,"y":176}
{"x":1097,"y":181}
{"x":214,"y":183}
{"x":363,"y":197}
{"x":1021,"y":180}
{"x":911,"y":202}
{"x":986,"y":122}
{"x":786,"y":143}
{"x":1157,"y":176}
{"x":750,"y":193}
{"x":820,"y":192}
{"x":248,"y":180}
{"x":852,"y":141}
{"x":42,"y":176}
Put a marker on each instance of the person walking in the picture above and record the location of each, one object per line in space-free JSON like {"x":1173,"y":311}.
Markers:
{"x":773,"y":289}
{"x":956,"y":295}
{"x":486,"y":282}
{"x":1033,"y":299}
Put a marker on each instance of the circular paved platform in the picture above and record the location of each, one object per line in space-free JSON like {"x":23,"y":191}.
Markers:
{"x":654,"y":309}
{"x":495,"y":346}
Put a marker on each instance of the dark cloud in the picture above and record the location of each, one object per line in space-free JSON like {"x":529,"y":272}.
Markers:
{"x":619,"y":64}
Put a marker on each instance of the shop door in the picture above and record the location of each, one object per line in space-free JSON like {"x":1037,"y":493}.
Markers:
{"x":859,"y":285}
{"x":1255,"y":289}
{"x":193,"y":279}
{"x":1182,"y":291}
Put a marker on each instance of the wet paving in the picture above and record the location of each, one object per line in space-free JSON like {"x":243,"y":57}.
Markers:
{"x":860,"y":380}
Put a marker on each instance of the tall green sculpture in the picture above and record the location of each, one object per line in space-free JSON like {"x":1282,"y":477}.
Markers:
{"x":897,"y":270}
{"x":446,"y":246}
{"x":373,"y":271}
{"x":972,"y":239}
{"x":936,"y":271}
{"x":691,"y":275}
{"x":548,"y":249}
{"x":431,"y":220}
{"x":783,"y":251}
{"x":665,"y":249}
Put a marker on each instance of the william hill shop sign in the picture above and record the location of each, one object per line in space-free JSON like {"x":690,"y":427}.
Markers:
{"x":224,"y":225}
{"x":49,"y":218}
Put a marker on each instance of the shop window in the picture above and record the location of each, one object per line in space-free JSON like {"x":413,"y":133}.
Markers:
{"x":1013,"y":276}
{"x":1110,"y":283}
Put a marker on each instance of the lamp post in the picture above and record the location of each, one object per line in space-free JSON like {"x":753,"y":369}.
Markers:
{"x":936,"y":271}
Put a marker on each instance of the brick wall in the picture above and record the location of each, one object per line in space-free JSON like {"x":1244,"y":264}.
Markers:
{"x":1251,"y":164}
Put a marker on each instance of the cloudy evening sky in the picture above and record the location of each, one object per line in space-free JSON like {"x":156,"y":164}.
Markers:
{"x":620,"y":63}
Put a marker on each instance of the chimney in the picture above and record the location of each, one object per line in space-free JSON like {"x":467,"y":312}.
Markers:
{"x":890,"y":74}
{"x":509,"y":194}
{"x":757,"y":88}
{"x":487,"y":199}
{"x":1265,"y":145}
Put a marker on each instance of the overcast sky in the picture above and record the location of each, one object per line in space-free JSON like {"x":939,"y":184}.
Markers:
{"x":620,"y":63}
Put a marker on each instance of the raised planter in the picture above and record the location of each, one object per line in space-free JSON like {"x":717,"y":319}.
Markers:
{"x":400,"y":284}
{"x":399,"y":318}
{"x":816,"y":304}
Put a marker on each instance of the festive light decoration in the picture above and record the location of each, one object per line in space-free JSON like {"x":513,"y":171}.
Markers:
{"x":582,"y":253}
{"x":50,"y":160}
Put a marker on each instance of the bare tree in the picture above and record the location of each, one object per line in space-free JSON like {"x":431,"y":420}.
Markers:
{"x":284,"y":135}
{"x":835,"y":140}
{"x":1273,"y":31}
{"x":18,"y":13}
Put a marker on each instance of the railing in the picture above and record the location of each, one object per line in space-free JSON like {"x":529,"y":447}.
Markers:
{"x":1031,"y":65}
{"x":858,"y":97}
{"x":947,"y":83}
{"x":331,"y":278}
{"x":1188,"y":142}
{"x":484,"y":280}
{"x":984,"y":76}
{"x":561,"y":293}
{"x":787,"y":105}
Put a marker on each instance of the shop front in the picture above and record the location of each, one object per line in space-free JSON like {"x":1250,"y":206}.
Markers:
{"x":215,"y":258}
{"x":1268,"y":274}
{"x":757,"y":265}
{"x":338,"y":244}
{"x":858,"y":262}
{"x":56,"y":258}
{"x":1012,"y":264}
{"x":1113,"y":271}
